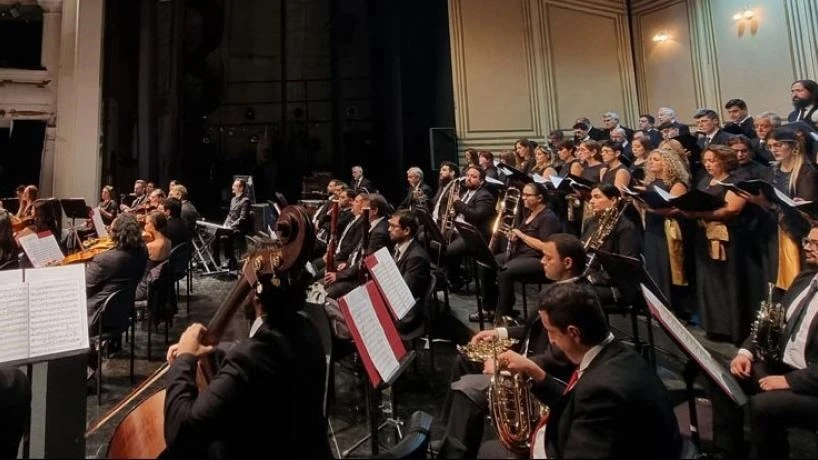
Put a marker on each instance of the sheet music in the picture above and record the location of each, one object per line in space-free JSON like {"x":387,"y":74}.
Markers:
{"x":492,"y":180}
{"x":539,"y":179}
{"x":665,"y":195}
{"x":58,"y":315}
{"x":693,"y":347}
{"x":99,"y":225}
{"x":14,"y":321}
{"x":11,"y":276}
{"x":41,"y":249}
{"x":556,"y":180}
{"x":394,"y":287}
{"x":372,"y":333}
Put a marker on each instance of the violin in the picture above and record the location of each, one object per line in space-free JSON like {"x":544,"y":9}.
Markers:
{"x":140,"y":434}
{"x":93,"y":247}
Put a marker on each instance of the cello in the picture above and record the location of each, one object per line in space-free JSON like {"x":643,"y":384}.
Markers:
{"x":140,"y":434}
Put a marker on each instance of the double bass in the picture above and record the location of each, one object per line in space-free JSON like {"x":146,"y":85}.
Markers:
{"x":140,"y":434}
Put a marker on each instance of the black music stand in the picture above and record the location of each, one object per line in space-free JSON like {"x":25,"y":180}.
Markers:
{"x":627,"y":274}
{"x":481,"y":254}
{"x":431,"y":231}
{"x":11,"y":204}
{"x":75,"y":208}
{"x":699,"y":359}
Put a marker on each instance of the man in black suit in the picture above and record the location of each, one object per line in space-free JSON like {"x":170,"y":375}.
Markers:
{"x":805,"y":102}
{"x":592,"y":132}
{"x":740,"y":120}
{"x":413,"y":263}
{"x":707,"y":126}
{"x":277,"y":375}
{"x":667,"y":116}
{"x":418,"y":194}
{"x":119,"y":268}
{"x":15,"y":405}
{"x":614,"y":405}
{"x":176,"y":229}
{"x":237,"y":223}
{"x":189,"y":213}
{"x":476,"y":206}
{"x":467,"y":403}
{"x":447,"y":173}
{"x":647,"y":124}
{"x":360,"y":183}
{"x":610,"y":121}
{"x":784,"y":394}
{"x":346,"y":279}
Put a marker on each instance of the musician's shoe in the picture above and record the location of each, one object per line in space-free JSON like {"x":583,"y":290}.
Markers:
{"x":488,"y":316}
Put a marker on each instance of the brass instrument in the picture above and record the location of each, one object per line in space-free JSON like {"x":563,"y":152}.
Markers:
{"x":514,"y":410}
{"x":606,"y":224}
{"x":484,"y":350}
{"x":767,"y":331}
{"x":507,"y":209}
{"x":449,"y":213}
{"x":419,"y":199}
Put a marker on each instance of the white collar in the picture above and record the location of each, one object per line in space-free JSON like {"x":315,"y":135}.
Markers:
{"x":592,"y":353}
{"x":374,"y":223}
{"x":744,"y":119}
{"x":256,"y":325}
{"x":401,"y":248}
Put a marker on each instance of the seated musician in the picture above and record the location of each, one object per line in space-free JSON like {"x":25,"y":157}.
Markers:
{"x":350,"y":236}
{"x":158,"y":245}
{"x":418,"y":194}
{"x":45,"y":219}
{"x":360,"y":184}
{"x":413,"y":263}
{"x":176,"y":229}
{"x":447,"y":173}
{"x":614,"y":405}
{"x":189,"y":213}
{"x":8,"y":247}
{"x":784,"y":391}
{"x":27,"y":200}
{"x":119,"y":268}
{"x":475,"y":205}
{"x":15,"y":405}
{"x":237,"y":221}
{"x":466,"y":404}
{"x":521,"y":258}
{"x":345,"y":197}
{"x":277,"y":374}
{"x":346,"y":279}
{"x":140,"y":197}
{"x":623,"y":239}
{"x":107,"y":206}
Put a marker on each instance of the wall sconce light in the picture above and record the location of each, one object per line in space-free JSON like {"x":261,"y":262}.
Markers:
{"x":661,"y":37}
{"x":745,"y":15}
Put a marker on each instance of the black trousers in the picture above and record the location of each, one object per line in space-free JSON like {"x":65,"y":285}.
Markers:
{"x":498,"y":287}
{"x":15,"y":405}
{"x":464,"y":410}
{"x":453,"y":256}
{"x":225,"y":240}
{"x":771,"y":414}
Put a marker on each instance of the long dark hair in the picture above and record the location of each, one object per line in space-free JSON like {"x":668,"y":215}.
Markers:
{"x":7,"y":246}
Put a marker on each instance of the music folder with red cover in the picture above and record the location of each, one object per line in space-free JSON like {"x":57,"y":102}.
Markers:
{"x":373,"y":332}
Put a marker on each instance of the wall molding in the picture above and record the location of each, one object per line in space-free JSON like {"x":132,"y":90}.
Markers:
{"x":802,"y":25}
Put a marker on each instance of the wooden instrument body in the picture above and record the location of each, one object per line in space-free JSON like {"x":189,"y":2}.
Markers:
{"x":141,"y":434}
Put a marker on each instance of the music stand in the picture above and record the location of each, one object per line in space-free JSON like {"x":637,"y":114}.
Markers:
{"x":75,"y":208}
{"x":627,"y":274}
{"x":699,"y":359}
{"x":480,"y":252}
{"x":431,"y":231}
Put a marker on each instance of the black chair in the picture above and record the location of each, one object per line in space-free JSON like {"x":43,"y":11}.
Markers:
{"x":160,"y":296}
{"x":115,"y":317}
{"x":415,"y":441}
{"x":539,"y":279}
{"x":179,"y":260}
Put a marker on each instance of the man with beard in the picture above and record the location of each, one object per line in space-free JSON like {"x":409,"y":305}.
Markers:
{"x":448,"y":172}
{"x":805,"y":102}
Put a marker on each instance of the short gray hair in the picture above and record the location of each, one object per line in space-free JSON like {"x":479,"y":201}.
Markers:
{"x":774,"y":118}
{"x":358,"y":168}
{"x":613,"y":115}
{"x":415,"y":170}
{"x":667,"y":110}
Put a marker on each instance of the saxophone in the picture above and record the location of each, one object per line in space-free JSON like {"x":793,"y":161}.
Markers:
{"x":767,"y":330}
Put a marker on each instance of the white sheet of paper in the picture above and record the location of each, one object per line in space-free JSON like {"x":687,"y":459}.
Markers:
{"x":99,"y":225}
{"x":41,"y":250}
{"x":14,"y":342}
{"x":372,"y":333}
{"x":492,"y":180}
{"x":665,"y":195}
{"x":538,"y":178}
{"x":395,"y":289}
{"x":556,"y":180}
{"x":11,"y":276}
{"x":58,"y":318}
{"x":697,"y":351}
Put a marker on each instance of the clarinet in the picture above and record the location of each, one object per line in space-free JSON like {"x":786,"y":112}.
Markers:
{"x":364,"y":246}
{"x":332,"y":243}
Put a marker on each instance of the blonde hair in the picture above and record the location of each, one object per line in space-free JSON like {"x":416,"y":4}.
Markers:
{"x":675,"y":169}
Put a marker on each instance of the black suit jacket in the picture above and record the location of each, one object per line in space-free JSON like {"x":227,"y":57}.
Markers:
{"x":618,"y":408}
{"x":721,"y":137}
{"x":365,"y":185}
{"x":548,"y":356}
{"x":177,"y":231}
{"x":415,"y":267}
{"x":410,"y":197}
{"x":238,"y":217}
{"x":598,"y":134}
{"x":350,"y":241}
{"x":190,"y":215}
{"x":268,"y":393}
{"x":479,"y":210}
{"x":378,"y":238}
{"x":108,"y":272}
{"x":803,"y":381}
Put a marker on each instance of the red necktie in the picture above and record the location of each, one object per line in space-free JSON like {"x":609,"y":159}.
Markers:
{"x":544,"y":420}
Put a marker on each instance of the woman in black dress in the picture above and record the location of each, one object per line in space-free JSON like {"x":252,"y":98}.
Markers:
{"x":107,"y":206}
{"x":726,"y":294}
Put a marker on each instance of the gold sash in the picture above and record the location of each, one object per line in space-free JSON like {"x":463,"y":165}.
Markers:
{"x":675,"y":252}
{"x":717,"y":237}
{"x":789,"y":260}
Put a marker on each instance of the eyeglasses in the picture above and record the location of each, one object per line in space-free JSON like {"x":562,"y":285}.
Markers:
{"x":806,"y":242}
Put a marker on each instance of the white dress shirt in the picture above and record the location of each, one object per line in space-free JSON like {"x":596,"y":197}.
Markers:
{"x":256,"y":325}
{"x":796,"y":347}
{"x":401,"y":248}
